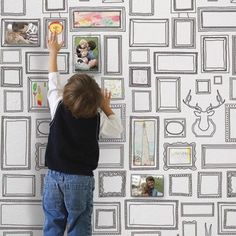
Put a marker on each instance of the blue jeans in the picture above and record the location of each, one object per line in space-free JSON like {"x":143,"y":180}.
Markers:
{"x":67,"y":203}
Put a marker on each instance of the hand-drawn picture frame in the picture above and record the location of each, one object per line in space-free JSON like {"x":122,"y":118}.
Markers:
{"x":175,"y":128}
{"x":234,"y":54}
{"x":146,"y":185}
{"x":11,"y":76}
{"x":230,"y":115}
{"x":115,"y":86}
{"x":138,"y":39}
{"x":13,"y":101}
{"x":189,"y":228}
{"x":137,"y":8}
{"x":87,"y":53}
{"x":209,"y":185}
{"x":150,"y":233}
{"x":231,"y":184}
{"x":232,"y":88}
{"x":183,"y":6}
{"x":16,"y":143}
{"x":10,"y":56}
{"x":50,"y":6}
{"x":112,"y":1}
{"x":112,"y":183}
{"x":180,"y":185}
{"x":203,"y":86}
{"x":37,"y":94}
{"x":139,"y":56}
{"x":10,"y":8}
{"x":197,"y":209}
{"x":144,"y":142}
{"x":25,"y":233}
{"x":40,"y":155}
{"x":179,"y":156}
{"x":97,"y":19}
{"x":42,"y":127}
{"x":218,"y":79}
{"x":21,"y":32}
{"x":140,"y":76}
{"x":141,"y":101}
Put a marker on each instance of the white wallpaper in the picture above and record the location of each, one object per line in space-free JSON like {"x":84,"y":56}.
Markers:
{"x":171,"y":67}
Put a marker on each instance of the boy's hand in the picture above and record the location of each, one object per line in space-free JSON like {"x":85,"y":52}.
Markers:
{"x":53,"y":45}
{"x":105,"y":103}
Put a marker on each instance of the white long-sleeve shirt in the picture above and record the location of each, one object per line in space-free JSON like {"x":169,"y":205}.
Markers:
{"x":109,"y":126}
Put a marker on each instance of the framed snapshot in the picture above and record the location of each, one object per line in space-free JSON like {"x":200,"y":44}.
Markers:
{"x":143,"y":185}
{"x":179,"y":156}
{"x":21,"y":33}
{"x":144,"y":142}
{"x":87,"y":53}
{"x":97,"y":18}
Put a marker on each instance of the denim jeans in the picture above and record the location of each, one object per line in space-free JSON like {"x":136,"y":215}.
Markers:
{"x":67,"y":203}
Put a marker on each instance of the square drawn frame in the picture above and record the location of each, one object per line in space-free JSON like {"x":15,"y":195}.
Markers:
{"x":30,"y":71}
{"x":106,"y":205}
{"x":97,"y":9}
{"x":98,"y":37}
{"x":23,"y":13}
{"x":139,"y":50}
{"x":103,"y":79}
{"x":232,"y":88}
{"x":225,"y":218}
{"x":4,"y":185}
{"x":190,"y":185}
{"x":179,"y":121}
{"x":7,"y":233}
{"x":149,"y":92}
{"x":194,"y":223}
{"x":113,"y":165}
{"x":27,"y":119}
{"x":131,"y":76}
{"x":10,"y":50}
{"x":8,"y":20}
{"x":5,"y":68}
{"x":208,"y":214}
{"x":166,"y":159}
{"x":198,"y":81}
{"x":215,"y":79}
{"x":38,"y":157}
{"x":184,"y":10}
{"x":131,"y":13}
{"x":40,"y":122}
{"x":122,"y":108}
{"x":148,"y":21}
{"x":228,"y":121}
{"x":214,"y":38}
{"x":146,"y":202}
{"x":5,"y":101}
{"x":230,"y":176}
{"x":46,"y":20}
{"x":64,"y":9}
{"x":179,"y":54}
{"x":159,"y":106}
{"x":192,"y":21}
{"x":131,"y":138}
{"x":219,"y":194}
{"x":113,"y":217}
{"x":106,"y":50}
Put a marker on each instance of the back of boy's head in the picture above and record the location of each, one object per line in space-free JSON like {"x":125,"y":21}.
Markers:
{"x":82,"y":96}
{"x":18,"y":26}
{"x":92,"y":45}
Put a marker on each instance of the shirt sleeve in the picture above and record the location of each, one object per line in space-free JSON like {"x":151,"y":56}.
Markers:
{"x":55,"y":91}
{"x":110,"y":127}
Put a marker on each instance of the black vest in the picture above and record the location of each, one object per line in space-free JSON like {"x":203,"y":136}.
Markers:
{"x":73,"y":143}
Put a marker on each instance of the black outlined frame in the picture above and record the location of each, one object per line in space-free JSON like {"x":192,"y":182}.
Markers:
{"x":40,"y":149}
{"x":153,"y":162}
{"x":113,"y":212}
{"x":137,"y":61}
{"x":9,"y":21}
{"x":186,"y":193}
{"x":226,"y":211}
{"x":120,"y":27}
{"x":176,"y":92}
{"x":111,"y":174}
{"x":37,"y":55}
{"x":136,"y":42}
{"x":26,"y":153}
{"x":189,"y":223}
{"x":112,"y":147}
{"x":171,"y":208}
{"x":11,"y":51}
{"x":232,"y":88}
{"x":148,"y":101}
{"x":218,"y":79}
{"x":219,"y":183}
{"x":179,"y":132}
{"x":60,"y":9}
{"x":114,"y":206}
{"x":191,"y":9}
{"x":10,"y":233}
{"x":234,"y":54}
{"x":6,"y":100}
{"x":192,"y":32}
{"x":140,"y":76}
{"x":19,"y":70}
{"x":176,"y":57}
{"x":152,"y":233}
{"x":137,"y":13}
{"x":11,"y":13}
{"x":42,"y":127}
{"x":186,"y":149}
{"x":231,"y":190}
{"x":111,"y":55}
{"x":221,"y":151}
{"x":215,"y":15}
{"x":121,"y":108}
{"x":19,"y":178}
{"x":192,"y":209}
{"x":200,"y":90}
{"x":224,"y":53}
{"x":230,"y":113}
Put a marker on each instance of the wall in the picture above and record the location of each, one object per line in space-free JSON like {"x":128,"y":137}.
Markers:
{"x":171,"y":68}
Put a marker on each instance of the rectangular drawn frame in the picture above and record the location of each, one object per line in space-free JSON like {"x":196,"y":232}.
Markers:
{"x":174,"y":8}
{"x":230,"y":191}
{"x":232,"y":88}
{"x":62,"y":9}
{"x":149,"y":98}
{"x":21,"y":102}
{"x":228,"y":121}
{"x":23,"y":13}
{"x":189,"y":223}
{"x":147,"y":51}
{"x":234,"y":54}
{"x":19,"y":69}
{"x":10,"y":50}
{"x":188,"y":177}
{"x":208,"y":213}
{"x":131,"y":13}
{"x":131,"y":76}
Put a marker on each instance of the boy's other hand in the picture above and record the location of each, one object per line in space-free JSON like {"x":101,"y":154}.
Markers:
{"x":53,"y":45}
{"x":105,"y":103}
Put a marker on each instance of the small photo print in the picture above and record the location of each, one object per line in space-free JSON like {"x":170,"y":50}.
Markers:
{"x":147,"y":185}
{"x":20,"y":32}
{"x":87,"y":53}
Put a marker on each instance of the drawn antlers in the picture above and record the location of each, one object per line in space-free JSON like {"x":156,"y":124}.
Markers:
{"x":219,"y":100}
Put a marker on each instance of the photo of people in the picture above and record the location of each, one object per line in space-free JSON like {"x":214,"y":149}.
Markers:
{"x":21,"y":33}
{"x":86,"y":53}
{"x":147,"y":186}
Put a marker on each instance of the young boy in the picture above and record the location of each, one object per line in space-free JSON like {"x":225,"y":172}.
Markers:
{"x":72,"y":150}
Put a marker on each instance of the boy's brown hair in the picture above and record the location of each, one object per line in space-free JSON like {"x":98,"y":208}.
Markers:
{"x":82,"y":96}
